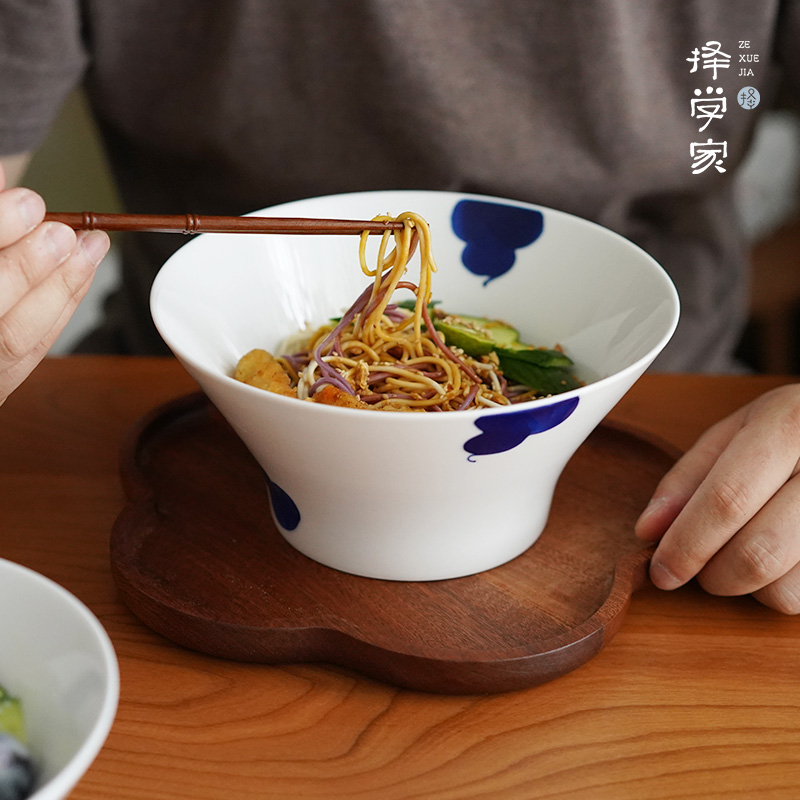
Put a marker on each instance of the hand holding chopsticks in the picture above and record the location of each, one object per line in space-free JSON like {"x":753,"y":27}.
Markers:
{"x":193,"y":223}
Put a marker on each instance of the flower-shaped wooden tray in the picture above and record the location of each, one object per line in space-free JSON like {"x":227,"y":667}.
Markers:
{"x":197,"y":557}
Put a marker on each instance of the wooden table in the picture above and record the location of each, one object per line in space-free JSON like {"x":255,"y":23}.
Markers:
{"x":696,"y":697}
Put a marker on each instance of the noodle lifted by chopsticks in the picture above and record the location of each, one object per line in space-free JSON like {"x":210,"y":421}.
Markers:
{"x":385,"y":357}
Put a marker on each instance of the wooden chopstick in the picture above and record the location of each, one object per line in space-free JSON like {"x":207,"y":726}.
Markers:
{"x":193,"y":223}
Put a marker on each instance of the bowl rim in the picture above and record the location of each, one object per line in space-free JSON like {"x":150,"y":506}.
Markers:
{"x":59,"y":784}
{"x":589,"y":388}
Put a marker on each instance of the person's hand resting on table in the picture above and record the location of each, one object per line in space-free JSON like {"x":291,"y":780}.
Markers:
{"x":727,"y":512}
{"x":45,"y":270}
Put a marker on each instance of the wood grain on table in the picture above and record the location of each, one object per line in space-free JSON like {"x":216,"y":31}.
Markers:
{"x":696,"y":697}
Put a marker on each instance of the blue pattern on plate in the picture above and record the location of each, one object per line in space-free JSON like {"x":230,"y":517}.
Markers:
{"x":503,"y":432}
{"x":493,"y":233}
{"x":284,"y":508}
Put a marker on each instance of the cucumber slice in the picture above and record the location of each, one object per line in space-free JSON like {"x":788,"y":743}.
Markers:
{"x":476,"y":336}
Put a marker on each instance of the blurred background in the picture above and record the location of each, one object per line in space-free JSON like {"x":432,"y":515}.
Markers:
{"x":70,"y":171}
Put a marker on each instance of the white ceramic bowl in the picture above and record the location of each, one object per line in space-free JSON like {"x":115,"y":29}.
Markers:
{"x":57,"y":658}
{"x":418,"y":496}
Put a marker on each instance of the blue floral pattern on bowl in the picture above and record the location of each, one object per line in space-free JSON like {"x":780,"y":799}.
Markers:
{"x":493,"y":232}
{"x":284,"y":508}
{"x":501,"y":432}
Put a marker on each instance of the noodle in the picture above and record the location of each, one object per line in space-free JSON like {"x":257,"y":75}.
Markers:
{"x":383,"y":356}
{"x":394,"y":358}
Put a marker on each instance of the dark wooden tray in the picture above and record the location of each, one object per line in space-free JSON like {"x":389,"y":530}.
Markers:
{"x":197,"y":558}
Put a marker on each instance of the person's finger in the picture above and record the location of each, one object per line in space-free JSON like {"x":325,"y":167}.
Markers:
{"x":679,"y":484}
{"x":27,"y":324}
{"x":783,"y":594}
{"x":12,"y":377}
{"x":762,"y":552}
{"x":21,"y":210}
{"x":25,"y":263}
{"x":757,"y":461}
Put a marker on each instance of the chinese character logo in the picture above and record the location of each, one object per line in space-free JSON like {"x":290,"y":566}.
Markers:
{"x":712,"y":56}
{"x":712,"y":106}
{"x":706,"y":154}
{"x":749,"y":97}
{"x":708,"y":106}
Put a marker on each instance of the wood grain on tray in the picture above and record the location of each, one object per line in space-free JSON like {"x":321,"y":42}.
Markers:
{"x":197,"y":557}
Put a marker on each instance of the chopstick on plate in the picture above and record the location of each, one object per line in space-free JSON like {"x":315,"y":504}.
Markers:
{"x":194,"y":223}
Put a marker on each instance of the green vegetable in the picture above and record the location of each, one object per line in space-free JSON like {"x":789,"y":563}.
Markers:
{"x":476,"y":336}
{"x":538,"y":356}
{"x":17,"y":770}
{"x":11,"y":719}
{"x":546,"y":371}
{"x":552,"y":379}
{"x":410,"y":305}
